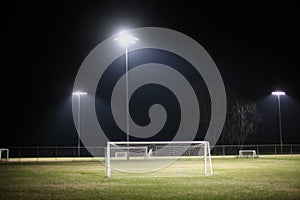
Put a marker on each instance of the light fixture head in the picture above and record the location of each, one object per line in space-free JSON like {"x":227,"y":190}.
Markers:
{"x":125,"y":38}
{"x":278,"y":93}
{"x":79,"y":93}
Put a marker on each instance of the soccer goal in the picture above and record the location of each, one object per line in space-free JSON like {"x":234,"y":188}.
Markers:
{"x":143,"y":157}
{"x":247,"y":154}
{"x":133,"y":152}
{"x":4,"y":153}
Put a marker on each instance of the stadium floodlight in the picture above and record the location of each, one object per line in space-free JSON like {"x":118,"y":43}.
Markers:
{"x":78,"y":94}
{"x":124,"y":38}
{"x":146,"y":156}
{"x":278,"y":94}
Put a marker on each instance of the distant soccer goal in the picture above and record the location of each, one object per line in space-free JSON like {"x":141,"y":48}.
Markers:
{"x":247,"y":154}
{"x":4,"y":154}
{"x":133,"y":152}
{"x":143,"y":157}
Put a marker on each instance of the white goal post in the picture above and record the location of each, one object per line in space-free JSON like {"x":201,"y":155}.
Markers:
{"x":151,"y":152}
{"x":7,"y":153}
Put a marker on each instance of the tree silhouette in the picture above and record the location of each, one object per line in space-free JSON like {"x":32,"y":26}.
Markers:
{"x":242,"y":120}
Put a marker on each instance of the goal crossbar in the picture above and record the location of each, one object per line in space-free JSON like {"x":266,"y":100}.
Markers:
{"x":161,"y":142}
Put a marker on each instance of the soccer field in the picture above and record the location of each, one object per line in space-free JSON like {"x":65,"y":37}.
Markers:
{"x":262,"y":178}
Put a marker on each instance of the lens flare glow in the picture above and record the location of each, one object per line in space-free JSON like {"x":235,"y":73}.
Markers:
{"x":125,"y":38}
{"x":278,"y":93}
{"x":79,"y":93}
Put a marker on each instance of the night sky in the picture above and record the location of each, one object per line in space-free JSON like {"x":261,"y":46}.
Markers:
{"x":255,"y":46}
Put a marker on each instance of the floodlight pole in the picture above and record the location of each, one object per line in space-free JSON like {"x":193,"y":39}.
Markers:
{"x":127,"y":99}
{"x":78,"y":94}
{"x":279,"y":117}
{"x":278,"y":94}
{"x":124,"y":38}
{"x":78,"y":125}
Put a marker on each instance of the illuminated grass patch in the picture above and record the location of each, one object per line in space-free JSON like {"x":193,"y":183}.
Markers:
{"x":262,"y":178}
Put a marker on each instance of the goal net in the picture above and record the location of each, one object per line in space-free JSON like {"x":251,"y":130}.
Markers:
{"x":169,"y":156}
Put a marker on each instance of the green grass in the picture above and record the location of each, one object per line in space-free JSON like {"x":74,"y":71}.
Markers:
{"x":262,"y":178}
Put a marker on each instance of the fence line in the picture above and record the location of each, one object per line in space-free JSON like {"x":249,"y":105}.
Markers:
{"x":72,"y":151}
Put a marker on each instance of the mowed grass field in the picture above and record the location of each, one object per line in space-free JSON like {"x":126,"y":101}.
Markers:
{"x":262,"y":178}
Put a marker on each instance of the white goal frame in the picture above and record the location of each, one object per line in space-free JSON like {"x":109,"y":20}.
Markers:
{"x":206,"y":152}
{"x":127,"y":152}
{"x":7,"y":153}
{"x":247,"y":154}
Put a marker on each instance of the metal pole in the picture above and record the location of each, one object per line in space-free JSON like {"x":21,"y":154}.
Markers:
{"x":127,"y":100}
{"x":78,"y":121}
{"x":280,"y":131}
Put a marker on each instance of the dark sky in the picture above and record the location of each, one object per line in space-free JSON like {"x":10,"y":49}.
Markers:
{"x":254,"y":45}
